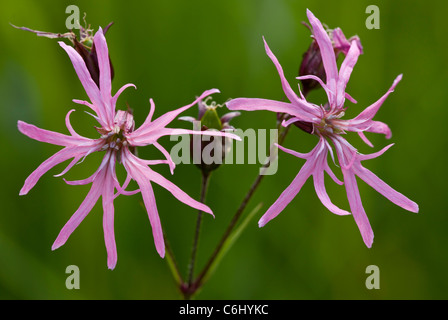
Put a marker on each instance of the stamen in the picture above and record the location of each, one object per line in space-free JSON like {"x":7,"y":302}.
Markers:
{"x":115,"y":137}
{"x":212,"y":105}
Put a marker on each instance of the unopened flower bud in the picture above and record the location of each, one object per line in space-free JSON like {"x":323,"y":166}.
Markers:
{"x":84,"y":46}
{"x":209,"y":119}
{"x":312,"y":59}
{"x":312,"y":64}
{"x":340,"y":42}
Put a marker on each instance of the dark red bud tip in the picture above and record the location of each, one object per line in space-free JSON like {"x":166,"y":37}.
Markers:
{"x":305,"y":126}
{"x":312,"y":65}
{"x":91,"y":60}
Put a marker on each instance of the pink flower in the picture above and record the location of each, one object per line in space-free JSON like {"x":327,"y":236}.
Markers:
{"x":329,"y":127}
{"x":340,"y":42}
{"x":117,"y":138}
{"x":312,"y":59}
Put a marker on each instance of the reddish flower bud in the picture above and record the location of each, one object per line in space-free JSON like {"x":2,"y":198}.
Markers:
{"x":312,"y":64}
{"x":84,"y":46}
{"x":312,"y":58}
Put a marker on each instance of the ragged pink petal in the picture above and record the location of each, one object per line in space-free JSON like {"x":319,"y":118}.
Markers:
{"x":105,"y":75}
{"x":86,"y":80}
{"x":209,"y":132}
{"x":71,"y":165}
{"x":320,"y":167}
{"x":295,"y":153}
{"x":83,"y":210}
{"x":47,"y":136}
{"x":188,"y":119}
{"x":81,"y":182}
{"x":316,"y":165}
{"x":345,"y":72}
{"x":137,"y":173}
{"x":383,"y":188}
{"x":143,"y":175}
{"x":178,"y":193}
{"x":319,"y":186}
{"x":229,"y":116}
{"x":341,"y":43}
{"x":379,"y":127}
{"x":122,"y":189}
{"x":326,"y":49}
{"x":333,"y":176}
{"x":345,"y":154}
{"x":102,"y":122}
{"x":119,"y":92}
{"x":166,"y":118}
{"x":286,"y":123}
{"x":69,"y":126}
{"x":351,"y":167}
{"x":108,"y":215}
{"x":354,"y":199}
{"x":330,"y":93}
{"x":167,"y":155}
{"x":148,"y":119}
{"x":350,"y":98}
{"x":59,"y":157}
{"x":362,"y":157}
{"x":146,"y":172}
{"x":150,"y":137}
{"x":255,"y":104}
{"x":287,"y":195}
{"x":104,"y":163}
{"x":151,"y":208}
{"x":365,"y":116}
{"x":301,"y":105}
{"x":364,"y":138}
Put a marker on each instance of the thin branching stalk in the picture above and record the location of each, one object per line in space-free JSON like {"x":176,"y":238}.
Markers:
{"x":198,"y":282}
{"x":188,"y":287}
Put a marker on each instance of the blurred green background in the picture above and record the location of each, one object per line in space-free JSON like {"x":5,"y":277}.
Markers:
{"x":173,"y":51}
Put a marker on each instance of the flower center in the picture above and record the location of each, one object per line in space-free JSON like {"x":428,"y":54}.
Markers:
{"x":116,"y":138}
{"x":329,"y":125}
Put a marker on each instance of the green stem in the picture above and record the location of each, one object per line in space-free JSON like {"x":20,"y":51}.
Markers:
{"x":188,"y":287}
{"x":172,"y":263}
{"x":198,"y":282}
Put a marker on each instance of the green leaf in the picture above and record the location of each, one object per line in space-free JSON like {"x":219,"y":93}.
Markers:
{"x":172,"y":265}
{"x":231,"y":240}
